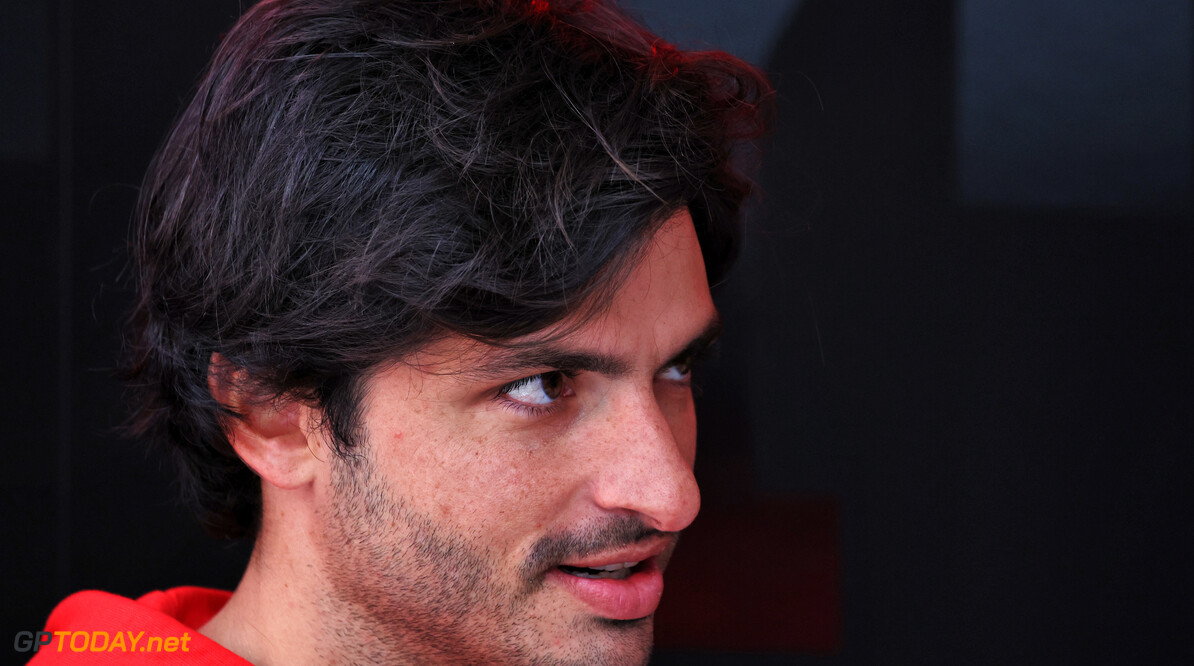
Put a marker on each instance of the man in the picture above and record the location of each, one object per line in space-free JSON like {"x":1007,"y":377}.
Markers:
{"x":420,"y":287}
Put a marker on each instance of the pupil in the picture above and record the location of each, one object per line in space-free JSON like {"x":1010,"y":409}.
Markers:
{"x":552,"y":381}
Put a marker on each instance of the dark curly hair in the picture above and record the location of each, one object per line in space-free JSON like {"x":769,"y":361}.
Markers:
{"x":354,"y":179}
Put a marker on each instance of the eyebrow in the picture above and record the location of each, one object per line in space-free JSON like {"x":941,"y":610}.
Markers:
{"x":699,"y":345}
{"x":505,"y":363}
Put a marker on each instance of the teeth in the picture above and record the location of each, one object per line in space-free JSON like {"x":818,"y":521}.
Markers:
{"x":619,"y":571}
{"x":615,"y":567}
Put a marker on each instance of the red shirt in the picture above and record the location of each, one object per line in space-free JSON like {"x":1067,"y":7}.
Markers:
{"x":95,"y":628}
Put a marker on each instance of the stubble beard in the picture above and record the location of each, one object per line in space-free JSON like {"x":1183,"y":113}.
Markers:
{"x":404,"y":589}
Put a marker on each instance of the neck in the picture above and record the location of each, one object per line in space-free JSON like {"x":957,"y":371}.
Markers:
{"x":272,"y":617}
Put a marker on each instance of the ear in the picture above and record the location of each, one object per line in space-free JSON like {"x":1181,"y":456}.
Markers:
{"x":271,"y":435}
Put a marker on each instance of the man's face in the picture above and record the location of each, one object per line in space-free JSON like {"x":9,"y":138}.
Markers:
{"x":518,"y":504}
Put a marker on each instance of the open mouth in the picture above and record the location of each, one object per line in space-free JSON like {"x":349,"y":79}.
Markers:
{"x":626,"y":590}
{"x":618,"y":571}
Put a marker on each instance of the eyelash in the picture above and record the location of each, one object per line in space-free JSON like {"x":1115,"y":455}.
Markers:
{"x":533,"y":411}
{"x":694,"y":360}
{"x":536,"y":411}
{"x":527,"y":409}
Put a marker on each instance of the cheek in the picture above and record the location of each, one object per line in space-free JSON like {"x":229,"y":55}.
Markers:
{"x":496,"y":483}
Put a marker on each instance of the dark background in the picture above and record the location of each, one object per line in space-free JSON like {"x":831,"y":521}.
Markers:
{"x":958,"y":355}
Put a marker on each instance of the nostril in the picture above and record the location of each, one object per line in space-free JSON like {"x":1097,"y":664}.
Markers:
{"x":642,"y":460}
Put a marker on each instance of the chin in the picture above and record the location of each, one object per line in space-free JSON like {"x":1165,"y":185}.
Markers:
{"x":606,"y":641}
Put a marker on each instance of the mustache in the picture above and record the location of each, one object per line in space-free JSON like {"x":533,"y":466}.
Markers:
{"x":611,"y":533}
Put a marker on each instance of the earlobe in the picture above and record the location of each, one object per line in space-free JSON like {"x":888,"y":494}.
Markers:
{"x":270,"y":434}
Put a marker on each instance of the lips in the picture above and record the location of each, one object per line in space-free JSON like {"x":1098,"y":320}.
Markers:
{"x":619,"y":571}
{"x":625,"y":585}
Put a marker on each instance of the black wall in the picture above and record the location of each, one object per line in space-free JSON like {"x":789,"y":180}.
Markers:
{"x":1000,"y":395}
{"x":99,"y":83}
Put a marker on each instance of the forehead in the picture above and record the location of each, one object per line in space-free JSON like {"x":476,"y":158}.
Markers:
{"x":664,"y":300}
{"x":662,"y":305}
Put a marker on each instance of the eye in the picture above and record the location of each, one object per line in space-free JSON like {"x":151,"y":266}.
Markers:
{"x":680,"y":372}
{"x":539,"y":390}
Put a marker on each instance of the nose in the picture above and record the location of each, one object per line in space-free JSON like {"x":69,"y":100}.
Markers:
{"x":644,"y":462}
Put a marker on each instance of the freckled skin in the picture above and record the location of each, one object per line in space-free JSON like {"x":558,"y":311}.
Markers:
{"x":472,"y":487}
{"x":434,"y":543}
